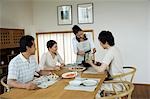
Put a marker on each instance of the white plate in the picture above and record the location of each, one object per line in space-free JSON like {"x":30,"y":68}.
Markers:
{"x":43,"y":85}
{"x":75,"y":83}
{"x":89,"y":82}
{"x":69,"y":75}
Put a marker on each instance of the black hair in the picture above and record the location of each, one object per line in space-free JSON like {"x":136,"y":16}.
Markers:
{"x":50,"y":43}
{"x":106,"y":36}
{"x":25,"y":41}
{"x":75,"y":30}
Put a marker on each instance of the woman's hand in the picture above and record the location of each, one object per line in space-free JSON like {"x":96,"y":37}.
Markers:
{"x":94,"y":50}
{"x":80,"y":52}
{"x":62,"y":65}
{"x":57,"y":68}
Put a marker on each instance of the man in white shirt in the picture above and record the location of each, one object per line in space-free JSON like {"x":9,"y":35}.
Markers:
{"x":22,"y":68}
{"x":112,"y":61}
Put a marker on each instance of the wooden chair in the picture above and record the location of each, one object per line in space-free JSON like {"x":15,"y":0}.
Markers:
{"x":124,"y":94}
{"x":128,"y":71}
{"x":3,"y":82}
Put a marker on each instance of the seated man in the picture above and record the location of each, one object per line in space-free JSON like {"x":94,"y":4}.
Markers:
{"x":112,"y":61}
{"x":22,"y":68}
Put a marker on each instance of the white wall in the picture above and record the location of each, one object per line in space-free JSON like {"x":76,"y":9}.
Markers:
{"x":127,"y":20}
{"x":149,"y":38}
{"x":17,"y":14}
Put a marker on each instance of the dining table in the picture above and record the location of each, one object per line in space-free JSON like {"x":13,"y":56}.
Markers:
{"x":56,"y":91}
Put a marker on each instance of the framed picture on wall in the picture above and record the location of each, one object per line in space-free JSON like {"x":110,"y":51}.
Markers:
{"x":85,"y":13}
{"x":64,"y":14}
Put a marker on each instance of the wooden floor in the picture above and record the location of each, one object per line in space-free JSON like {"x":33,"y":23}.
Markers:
{"x":141,"y":92}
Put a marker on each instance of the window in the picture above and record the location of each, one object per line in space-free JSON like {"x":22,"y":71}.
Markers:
{"x":64,"y":43}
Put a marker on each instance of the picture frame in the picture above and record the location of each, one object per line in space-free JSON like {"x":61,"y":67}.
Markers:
{"x":85,"y":13}
{"x":64,"y":15}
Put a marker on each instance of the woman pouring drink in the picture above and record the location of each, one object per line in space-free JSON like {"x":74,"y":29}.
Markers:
{"x":83,"y":45}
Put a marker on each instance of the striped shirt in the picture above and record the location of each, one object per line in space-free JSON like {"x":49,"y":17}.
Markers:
{"x":21,"y":69}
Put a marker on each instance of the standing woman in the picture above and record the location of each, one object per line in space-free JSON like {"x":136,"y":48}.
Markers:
{"x":51,"y":60}
{"x":82,"y":44}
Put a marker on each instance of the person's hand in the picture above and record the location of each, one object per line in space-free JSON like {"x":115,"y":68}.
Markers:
{"x":57,"y":68}
{"x":30,"y":86}
{"x":62,"y":65}
{"x":94,"y":50}
{"x":89,"y":62}
{"x":98,"y":63}
{"x":82,"y":53}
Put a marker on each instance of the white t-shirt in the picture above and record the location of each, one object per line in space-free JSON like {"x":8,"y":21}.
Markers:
{"x":48,"y":61}
{"x":84,"y":46}
{"x":114,"y":60}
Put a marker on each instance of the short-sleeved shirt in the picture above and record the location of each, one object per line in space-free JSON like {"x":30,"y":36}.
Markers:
{"x":48,"y":61}
{"x":21,"y":69}
{"x":114,"y":60}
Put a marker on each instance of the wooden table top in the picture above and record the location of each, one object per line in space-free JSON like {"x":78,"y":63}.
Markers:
{"x":55,"y":91}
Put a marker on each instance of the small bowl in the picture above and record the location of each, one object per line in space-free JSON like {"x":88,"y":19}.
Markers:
{"x":75,"y":83}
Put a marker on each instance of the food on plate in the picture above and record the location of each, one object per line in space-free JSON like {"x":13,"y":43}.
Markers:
{"x":69,"y":75}
{"x":42,"y":79}
{"x":52,"y":77}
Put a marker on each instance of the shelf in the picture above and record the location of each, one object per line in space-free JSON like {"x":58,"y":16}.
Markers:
{"x":3,"y":75}
{"x":3,"y":66}
{"x":10,"y":37}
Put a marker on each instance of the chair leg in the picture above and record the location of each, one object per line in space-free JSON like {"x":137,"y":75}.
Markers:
{"x":5,"y":89}
{"x":129,"y":96}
